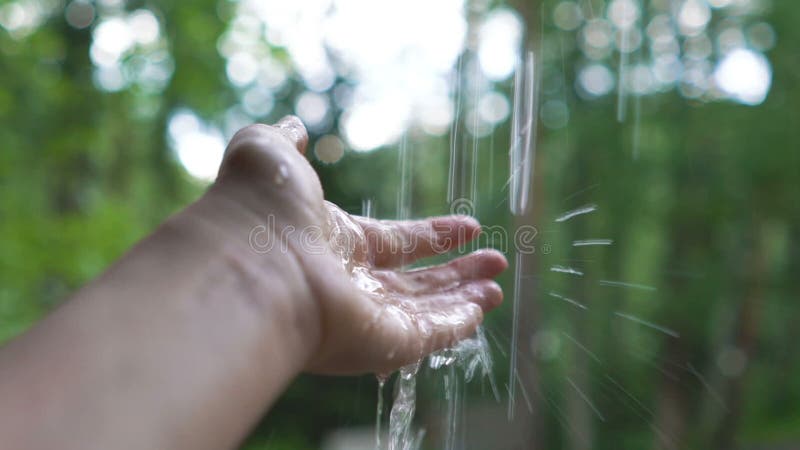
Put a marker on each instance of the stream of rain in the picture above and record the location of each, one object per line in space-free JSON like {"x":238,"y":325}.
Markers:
{"x":472,"y":358}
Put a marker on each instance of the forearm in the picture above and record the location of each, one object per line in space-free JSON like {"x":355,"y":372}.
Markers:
{"x":182,"y":344}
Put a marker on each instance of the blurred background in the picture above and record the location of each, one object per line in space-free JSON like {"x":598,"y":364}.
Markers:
{"x":657,"y":304}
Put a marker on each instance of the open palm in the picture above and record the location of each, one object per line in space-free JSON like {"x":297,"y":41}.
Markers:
{"x":374,"y":315}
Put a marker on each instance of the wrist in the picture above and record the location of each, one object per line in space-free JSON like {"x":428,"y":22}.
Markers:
{"x":268,"y":278}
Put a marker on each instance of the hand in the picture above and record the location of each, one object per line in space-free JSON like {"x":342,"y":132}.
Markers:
{"x":364,"y":312}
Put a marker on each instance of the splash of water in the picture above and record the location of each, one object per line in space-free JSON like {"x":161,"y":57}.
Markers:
{"x":582,"y":347}
{"x":664,"y":330}
{"x":566,"y":269}
{"x":473,"y":357}
{"x":588,"y":242}
{"x":576,"y":212}
{"x":587,"y":400}
{"x":642,"y":287}
{"x":711,"y":391}
{"x":568,"y":300}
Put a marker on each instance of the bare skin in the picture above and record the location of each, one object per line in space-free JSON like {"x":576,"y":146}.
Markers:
{"x":192,"y":335}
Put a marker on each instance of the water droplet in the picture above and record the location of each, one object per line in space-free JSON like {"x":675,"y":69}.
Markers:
{"x":281,"y":174}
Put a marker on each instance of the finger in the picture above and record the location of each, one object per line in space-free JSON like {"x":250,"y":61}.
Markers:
{"x":396,"y":243}
{"x":482,"y":264}
{"x":294,"y":130}
{"x":446,"y":318}
{"x":484,"y":293}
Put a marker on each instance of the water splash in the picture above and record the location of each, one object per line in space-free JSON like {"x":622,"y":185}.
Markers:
{"x":566,"y":269}
{"x":581,"y":191}
{"x":664,"y":330}
{"x":525,"y":395}
{"x":576,"y":212}
{"x":631,"y":396}
{"x":711,"y":391}
{"x":401,"y":436}
{"x":582,"y":347}
{"x":568,"y":300}
{"x":473,"y":357}
{"x":589,"y":242}
{"x":642,"y":287}
{"x":586,"y":399}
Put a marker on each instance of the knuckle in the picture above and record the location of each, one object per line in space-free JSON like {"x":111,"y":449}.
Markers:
{"x":252,"y":132}
{"x":249,"y":139}
{"x":249,"y":147}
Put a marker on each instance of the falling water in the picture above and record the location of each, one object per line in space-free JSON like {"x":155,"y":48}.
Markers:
{"x":452,"y":394}
{"x":523,"y":131}
{"x":404,"y":192}
{"x":473,"y":357}
{"x":512,"y":382}
{"x":474,"y":159}
{"x":379,"y":412}
{"x":521,"y":158}
{"x":623,"y":78}
{"x":366,"y":208}
{"x":455,"y":155}
{"x":403,"y":408}
{"x":637,"y":125}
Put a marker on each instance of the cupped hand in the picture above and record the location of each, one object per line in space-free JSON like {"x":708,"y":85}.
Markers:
{"x":372,"y":314}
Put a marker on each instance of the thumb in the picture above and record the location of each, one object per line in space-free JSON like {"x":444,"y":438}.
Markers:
{"x":294,"y":130}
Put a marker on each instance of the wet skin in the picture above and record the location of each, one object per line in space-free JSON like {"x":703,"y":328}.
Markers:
{"x":372,"y":315}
